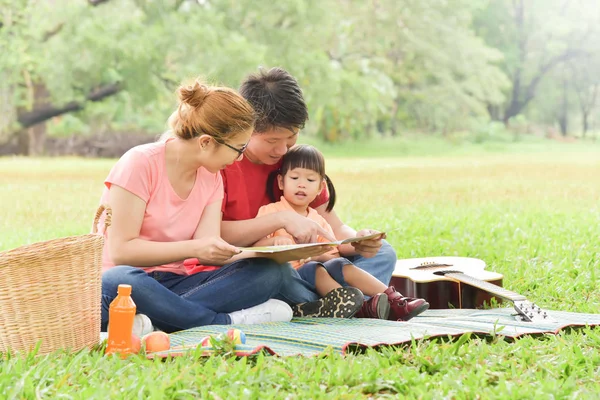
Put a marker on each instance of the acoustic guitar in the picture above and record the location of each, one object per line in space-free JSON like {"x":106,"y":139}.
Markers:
{"x":458,"y":282}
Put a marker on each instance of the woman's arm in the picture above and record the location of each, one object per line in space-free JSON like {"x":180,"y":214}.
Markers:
{"x":249,"y":231}
{"x":210,"y":222}
{"x":126,"y":248}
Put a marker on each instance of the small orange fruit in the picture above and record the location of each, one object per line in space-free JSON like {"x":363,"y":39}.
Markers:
{"x":156,"y":341}
{"x":136,"y":344}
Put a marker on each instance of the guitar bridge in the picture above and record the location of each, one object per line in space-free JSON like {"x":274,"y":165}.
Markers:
{"x":430,"y":264}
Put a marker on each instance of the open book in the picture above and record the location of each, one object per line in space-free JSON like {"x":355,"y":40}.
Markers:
{"x":191,"y":262}
{"x":277,"y":249}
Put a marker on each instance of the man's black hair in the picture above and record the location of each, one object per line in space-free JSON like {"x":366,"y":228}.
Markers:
{"x":276,"y":98}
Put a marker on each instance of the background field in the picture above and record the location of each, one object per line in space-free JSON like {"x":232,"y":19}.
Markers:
{"x":531,"y":213}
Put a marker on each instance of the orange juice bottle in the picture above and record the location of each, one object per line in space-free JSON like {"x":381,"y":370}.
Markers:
{"x":120,"y":322}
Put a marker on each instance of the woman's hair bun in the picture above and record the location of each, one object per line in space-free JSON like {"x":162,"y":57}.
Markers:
{"x":193,"y":95}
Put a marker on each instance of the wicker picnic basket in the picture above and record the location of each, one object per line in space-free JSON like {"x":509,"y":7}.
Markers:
{"x":51,"y":291}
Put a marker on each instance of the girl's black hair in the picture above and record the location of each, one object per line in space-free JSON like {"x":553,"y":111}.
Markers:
{"x":302,"y":156}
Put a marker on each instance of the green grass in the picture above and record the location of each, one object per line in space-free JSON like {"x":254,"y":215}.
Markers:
{"x":530,"y":212}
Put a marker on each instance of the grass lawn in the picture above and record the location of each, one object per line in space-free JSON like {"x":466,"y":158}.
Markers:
{"x":531,"y":212}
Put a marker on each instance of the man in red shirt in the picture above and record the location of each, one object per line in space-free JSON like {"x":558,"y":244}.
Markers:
{"x":282,"y":112}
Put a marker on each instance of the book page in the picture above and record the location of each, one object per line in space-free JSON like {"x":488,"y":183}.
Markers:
{"x":276,"y":249}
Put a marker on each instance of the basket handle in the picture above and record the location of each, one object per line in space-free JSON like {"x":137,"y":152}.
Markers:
{"x":107,"y":219}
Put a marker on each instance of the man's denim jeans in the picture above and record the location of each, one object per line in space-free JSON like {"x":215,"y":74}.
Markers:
{"x":381,"y":266}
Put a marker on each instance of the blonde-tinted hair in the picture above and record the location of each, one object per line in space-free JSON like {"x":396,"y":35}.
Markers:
{"x":216,"y":111}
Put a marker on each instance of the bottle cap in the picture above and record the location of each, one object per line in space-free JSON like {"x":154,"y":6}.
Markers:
{"x":124,"y":290}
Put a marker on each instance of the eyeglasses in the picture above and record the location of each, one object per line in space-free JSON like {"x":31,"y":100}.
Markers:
{"x":239,"y":151}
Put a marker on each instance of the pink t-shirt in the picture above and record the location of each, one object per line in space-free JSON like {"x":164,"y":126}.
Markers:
{"x":168,"y":218}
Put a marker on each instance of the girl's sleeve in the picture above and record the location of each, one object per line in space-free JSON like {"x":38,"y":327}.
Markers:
{"x":264,"y":210}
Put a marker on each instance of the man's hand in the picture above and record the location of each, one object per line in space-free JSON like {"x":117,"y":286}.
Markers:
{"x":303,"y":229}
{"x":368,"y":248}
{"x":304,"y":254}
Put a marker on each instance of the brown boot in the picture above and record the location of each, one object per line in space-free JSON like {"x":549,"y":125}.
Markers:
{"x":404,"y":308}
{"x":377,"y":306}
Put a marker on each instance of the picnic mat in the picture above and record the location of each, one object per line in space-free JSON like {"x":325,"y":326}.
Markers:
{"x":312,"y":336}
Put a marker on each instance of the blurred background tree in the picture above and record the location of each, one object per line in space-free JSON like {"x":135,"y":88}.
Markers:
{"x":368,"y":68}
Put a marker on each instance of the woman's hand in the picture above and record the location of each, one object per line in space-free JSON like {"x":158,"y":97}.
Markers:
{"x":304,"y":230}
{"x":213,"y":250}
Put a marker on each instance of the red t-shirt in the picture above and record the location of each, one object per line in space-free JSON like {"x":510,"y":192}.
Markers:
{"x":245,"y":185}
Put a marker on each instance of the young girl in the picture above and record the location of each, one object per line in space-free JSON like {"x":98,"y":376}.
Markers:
{"x":301,"y":178}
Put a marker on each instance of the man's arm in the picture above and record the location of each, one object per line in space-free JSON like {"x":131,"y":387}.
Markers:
{"x":247,"y":232}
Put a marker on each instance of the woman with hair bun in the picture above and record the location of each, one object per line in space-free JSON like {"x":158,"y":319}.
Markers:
{"x":166,"y":201}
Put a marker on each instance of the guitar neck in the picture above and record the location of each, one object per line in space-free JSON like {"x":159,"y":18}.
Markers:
{"x":487,"y":286}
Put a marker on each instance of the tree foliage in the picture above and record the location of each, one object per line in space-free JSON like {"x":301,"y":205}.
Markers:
{"x":537,"y":38}
{"x":366,"y":67}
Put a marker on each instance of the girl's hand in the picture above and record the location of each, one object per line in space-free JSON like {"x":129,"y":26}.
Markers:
{"x":325,"y":257}
{"x":213,"y":250}
{"x":282,"y":241}
{"x":303,"y":261}
{"x":304,"y":253}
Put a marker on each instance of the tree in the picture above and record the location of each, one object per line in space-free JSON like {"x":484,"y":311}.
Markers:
{"x":536,"y":37}
{"x":64,"y":55}
{"x":586,"y":85}
{"x":444,"y":74}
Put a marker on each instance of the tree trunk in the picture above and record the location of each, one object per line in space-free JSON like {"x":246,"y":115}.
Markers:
{"x":48,"y":111}
{"x":394,"y":118}
{"x":31,"y":139}
{"x":494,"y":111}
{"x":513,"y":109}
{"x":563,"y":118}
{"x":585,"y":123}
{"x":32,"y":135}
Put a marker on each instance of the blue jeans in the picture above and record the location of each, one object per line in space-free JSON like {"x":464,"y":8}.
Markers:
{"x":298,"y":289}
{"x":381,"y":266}
{"x":295,"y":290}
{"x":335,"y":268}
{"x":176,"y":302}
